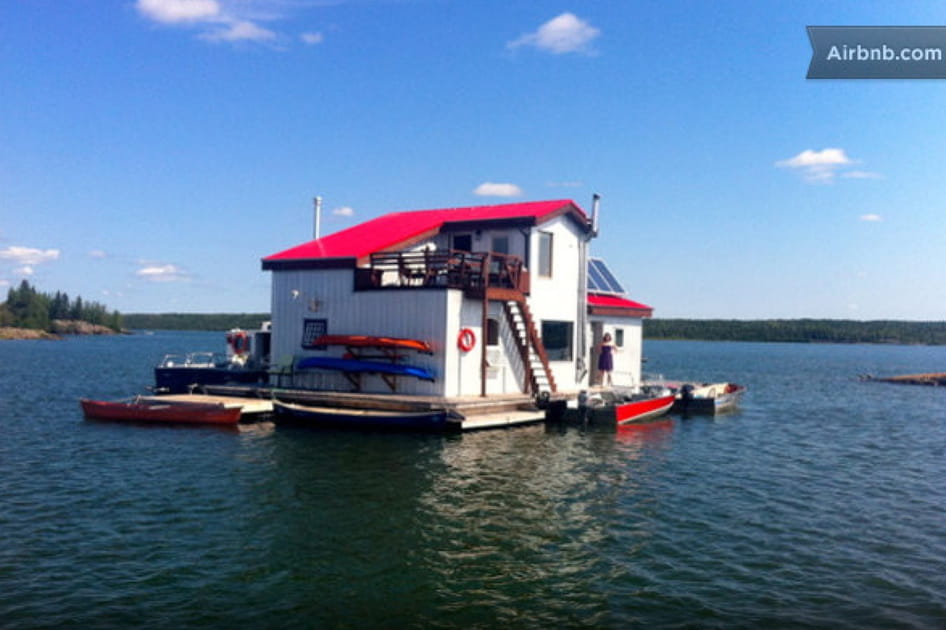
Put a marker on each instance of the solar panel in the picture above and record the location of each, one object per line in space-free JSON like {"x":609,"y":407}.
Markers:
{"x":600,"y":278}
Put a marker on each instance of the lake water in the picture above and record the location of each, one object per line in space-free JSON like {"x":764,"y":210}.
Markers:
{"x":821,"y":504}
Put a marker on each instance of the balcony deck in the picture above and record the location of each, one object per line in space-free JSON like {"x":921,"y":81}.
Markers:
{"x":472,"y":272}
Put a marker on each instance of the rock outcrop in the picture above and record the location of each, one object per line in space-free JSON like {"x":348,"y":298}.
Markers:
{"x":59,"y":328}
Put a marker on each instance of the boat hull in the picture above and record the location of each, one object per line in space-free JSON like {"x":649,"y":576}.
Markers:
{"x":174,"y":413}
{"x":182,"y":380}
{"x":436,"y":420}
{"x":638,"y":411}
{"x":723,"y":399}
{"x":621,"y":410}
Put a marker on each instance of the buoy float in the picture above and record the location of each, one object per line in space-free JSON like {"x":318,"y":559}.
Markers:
{"x":466,"y":340}
{"x":239,"y":341}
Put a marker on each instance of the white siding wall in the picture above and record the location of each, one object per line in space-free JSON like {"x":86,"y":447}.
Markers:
{"x":556,"y":297}
{"x":327,"y":294}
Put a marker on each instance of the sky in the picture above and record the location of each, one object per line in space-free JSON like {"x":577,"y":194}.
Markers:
{"x":153,"y":151}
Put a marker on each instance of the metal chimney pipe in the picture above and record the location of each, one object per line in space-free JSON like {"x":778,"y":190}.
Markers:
{"x":318,"y":217}
{"x":595,"y":202}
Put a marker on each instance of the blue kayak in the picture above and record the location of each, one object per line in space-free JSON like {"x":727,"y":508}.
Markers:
{"x":354,"y":365}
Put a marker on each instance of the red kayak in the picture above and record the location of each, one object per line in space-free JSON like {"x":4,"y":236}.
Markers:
{"x":365,"y":341}
{"x":140,"y":410}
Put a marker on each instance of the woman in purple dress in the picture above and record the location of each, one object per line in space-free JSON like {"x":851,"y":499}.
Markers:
{"x":606,"y":359}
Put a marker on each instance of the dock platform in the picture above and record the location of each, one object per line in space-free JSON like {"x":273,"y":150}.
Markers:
{"x":479,"y":413}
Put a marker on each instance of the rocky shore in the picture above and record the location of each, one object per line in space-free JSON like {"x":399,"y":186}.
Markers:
{"x":60,"y":327}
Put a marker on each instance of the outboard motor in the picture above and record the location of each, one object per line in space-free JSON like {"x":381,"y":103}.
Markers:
{"x":686,"y":395}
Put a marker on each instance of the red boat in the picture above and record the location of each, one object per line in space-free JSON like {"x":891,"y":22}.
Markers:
{"x":141,"y":410}
{"x":642,"y":410}
{"x":622,"y":408}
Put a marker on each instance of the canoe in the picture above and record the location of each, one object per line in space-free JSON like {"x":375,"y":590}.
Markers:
{"x":367,"y":341}
{"x":438,"y":420}
{"x":356,"y":365}
{"x":139,"y":410}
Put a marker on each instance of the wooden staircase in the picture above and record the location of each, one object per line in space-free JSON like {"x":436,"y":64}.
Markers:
{"x":535,"y":360}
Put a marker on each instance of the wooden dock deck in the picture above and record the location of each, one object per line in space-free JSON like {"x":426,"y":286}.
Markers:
{"x":479,"y":413}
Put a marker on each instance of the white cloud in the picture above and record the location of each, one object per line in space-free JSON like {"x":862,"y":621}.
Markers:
{"x":216,"y":20}
{"x":25,"y":270}
{"x":156,"y":272}
{"x":241,"y":30}
{"x":344,"y":211}
{"x":493,"y":189}
{"x":563,"y":34}
{"x":98,"y":254}
{"x":809,"y":158}
{"x":28,"y":255}
{"x":871,"y":217}
{"x":823,"y":166}
{"x":312,"y":38}
{"x":179,"y":11}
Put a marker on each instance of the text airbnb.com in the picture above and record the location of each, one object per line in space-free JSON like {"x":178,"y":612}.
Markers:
{"x":882,"y":53}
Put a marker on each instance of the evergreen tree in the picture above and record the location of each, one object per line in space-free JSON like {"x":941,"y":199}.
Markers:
{"x":27,"y":308}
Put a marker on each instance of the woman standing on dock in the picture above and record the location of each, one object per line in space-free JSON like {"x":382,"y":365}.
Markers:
{"x":606,"y":359}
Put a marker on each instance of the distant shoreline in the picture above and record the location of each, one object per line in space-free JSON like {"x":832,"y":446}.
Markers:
{"x":799,"y":331}
{"x":767,"y":330}
{"x":60,"y":328}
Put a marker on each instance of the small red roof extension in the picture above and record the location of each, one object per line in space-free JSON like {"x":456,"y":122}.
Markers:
{"x":401,"y":229}
{"x":613,"y":305}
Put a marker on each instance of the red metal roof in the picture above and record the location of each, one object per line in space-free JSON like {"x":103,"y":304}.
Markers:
{"x":613,"y":305}
{"x":401,"y":229}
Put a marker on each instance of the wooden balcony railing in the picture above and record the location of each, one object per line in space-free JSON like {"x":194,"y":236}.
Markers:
{"x":470,"y":271}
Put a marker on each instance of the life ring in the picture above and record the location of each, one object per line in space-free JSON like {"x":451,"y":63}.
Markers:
{"x":466,"y":340}
{"x":239,"y":341}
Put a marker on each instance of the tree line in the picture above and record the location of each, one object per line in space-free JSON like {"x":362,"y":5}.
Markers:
{"x":194,"y":321}
{"x":28,"y":308}
{"x":798,"y":330}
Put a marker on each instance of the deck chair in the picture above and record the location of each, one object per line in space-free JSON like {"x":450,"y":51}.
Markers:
{"x":285,"y":366}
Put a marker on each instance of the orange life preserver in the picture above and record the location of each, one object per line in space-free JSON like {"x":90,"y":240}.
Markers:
{"x":239,"y":341}
{"x":466,"y":340}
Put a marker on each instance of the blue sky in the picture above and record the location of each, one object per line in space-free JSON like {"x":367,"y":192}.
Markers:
{"x":152,"y":151}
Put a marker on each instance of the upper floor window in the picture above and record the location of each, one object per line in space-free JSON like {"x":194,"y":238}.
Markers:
{"x":545,"y":254}
{"x":462,"y":242}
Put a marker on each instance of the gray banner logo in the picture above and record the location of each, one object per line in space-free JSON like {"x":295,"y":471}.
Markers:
{"x":877,"y":52}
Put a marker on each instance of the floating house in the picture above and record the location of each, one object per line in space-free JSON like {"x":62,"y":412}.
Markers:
{"x":505,"y":298}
